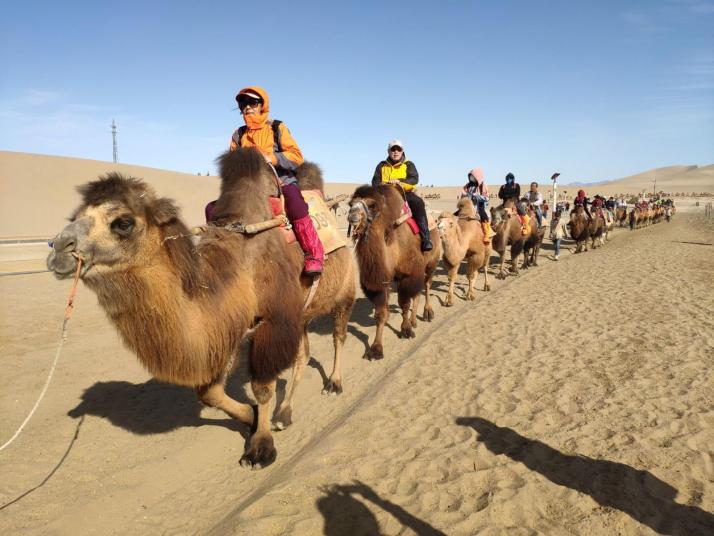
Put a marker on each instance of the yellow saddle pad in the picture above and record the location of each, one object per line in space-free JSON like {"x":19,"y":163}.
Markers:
{"x":324,"y":221}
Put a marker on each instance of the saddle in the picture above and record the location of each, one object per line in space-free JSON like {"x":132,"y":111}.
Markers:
{"x":406,"y":217}
{"x":322,"y":218}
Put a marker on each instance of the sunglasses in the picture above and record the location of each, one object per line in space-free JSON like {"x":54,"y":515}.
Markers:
{"x":396,"y":150}
{"x":244,"y":102}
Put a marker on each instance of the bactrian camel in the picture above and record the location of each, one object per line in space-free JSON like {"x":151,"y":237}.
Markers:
{"x":462,"y":238}
{"x":386,"y":252}
{"x":184,"y":308}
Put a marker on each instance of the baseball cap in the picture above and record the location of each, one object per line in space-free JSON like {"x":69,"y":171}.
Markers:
{"x":395,"y":143}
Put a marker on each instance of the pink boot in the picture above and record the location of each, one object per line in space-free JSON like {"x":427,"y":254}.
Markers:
{"x":309,"y":241}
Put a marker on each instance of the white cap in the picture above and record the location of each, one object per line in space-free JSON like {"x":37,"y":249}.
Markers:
{"x":395,"y":143}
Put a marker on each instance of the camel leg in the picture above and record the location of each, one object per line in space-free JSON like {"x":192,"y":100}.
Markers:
{"x":214,"y":395}
{"x":284,"y":417}
{"x":261,"y":450}
{"x":471,"y":271}
{"x":380,"y":299}
{"x":453,"y":272}
{"x":407,"y":330}
{"x":408,"y":294}
{"x":339,"y":334}
{"x":502,"y":268}
{"x":486,"y":286}
{"x":428,"y":309}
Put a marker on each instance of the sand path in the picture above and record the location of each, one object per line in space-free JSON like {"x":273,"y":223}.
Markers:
{"x":507,"y":415}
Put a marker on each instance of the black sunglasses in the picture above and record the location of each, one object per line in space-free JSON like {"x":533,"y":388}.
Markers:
{"x":396,"y":148}
{"x":248,"y":101}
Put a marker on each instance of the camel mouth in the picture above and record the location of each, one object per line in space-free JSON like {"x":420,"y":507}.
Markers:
{"x":64,"y":265}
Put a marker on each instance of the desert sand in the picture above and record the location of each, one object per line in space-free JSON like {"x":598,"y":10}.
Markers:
{"x":574,"y":399}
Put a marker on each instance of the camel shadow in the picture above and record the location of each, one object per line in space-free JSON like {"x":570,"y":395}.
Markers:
{"x":639,"y":494}
{"x":344,"y":513}
{"x":148,"y":408}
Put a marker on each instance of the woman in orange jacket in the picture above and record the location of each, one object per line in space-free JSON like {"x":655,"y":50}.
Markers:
{"x":282,"y":152}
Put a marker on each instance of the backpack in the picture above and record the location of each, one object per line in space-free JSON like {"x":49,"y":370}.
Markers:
{"x":274,"y":123}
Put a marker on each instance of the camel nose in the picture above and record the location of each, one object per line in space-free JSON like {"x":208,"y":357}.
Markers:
{"x":64,"y":243}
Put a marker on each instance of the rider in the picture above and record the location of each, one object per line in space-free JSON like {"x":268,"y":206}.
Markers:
{"x":477,"y":190}
{"x":512,"y":190}
{"x":535,"y":198}
{"x":397,"y":169}
{"x":283,"y":154}
{"x":582,"y":201}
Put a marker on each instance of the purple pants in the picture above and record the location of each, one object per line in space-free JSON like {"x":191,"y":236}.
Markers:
{"x":295,"y":206}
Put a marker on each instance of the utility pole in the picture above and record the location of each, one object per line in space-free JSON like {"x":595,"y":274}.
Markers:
{"x":654,"y":187}
{"x":114,"y":140}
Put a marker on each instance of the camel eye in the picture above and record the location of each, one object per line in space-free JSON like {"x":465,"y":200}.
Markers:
{"x":123,"y":225}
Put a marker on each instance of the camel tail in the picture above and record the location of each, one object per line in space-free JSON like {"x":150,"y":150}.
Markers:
{"x":309,"y":176}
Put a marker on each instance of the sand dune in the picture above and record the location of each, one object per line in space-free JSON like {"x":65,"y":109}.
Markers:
{"x":38,"y":191}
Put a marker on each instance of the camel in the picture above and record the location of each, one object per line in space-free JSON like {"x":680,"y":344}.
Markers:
{"x":581,"y":229}
{"x":462,"y":238}
{"x":508,"y":232}
{"x":533,"y":241}
{"x":387,"y":251}
{"x":621,"y":216}
{"x":185,"y":308}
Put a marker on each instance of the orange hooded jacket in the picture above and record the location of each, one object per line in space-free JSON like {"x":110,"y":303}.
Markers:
{"x":259,"y":134}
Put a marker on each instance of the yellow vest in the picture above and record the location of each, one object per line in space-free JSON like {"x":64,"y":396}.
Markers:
{"x":396,"y":172}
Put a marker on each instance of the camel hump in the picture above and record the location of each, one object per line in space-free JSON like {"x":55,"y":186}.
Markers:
{"x":309,"y":176}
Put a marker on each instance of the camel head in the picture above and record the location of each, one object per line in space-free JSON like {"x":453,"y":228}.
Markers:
{"x":364,"y":209}
{"x":447,"y":225}
{"x":500,"y":216}
{"x":120,"y":224}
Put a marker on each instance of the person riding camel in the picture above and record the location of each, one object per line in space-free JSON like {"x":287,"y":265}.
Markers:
{"x":535,"y":198}
{"x":477,"y":190}
{"x":582,"y":201}
{"x":512,"y":190}
{"x":396,"y":169}
{"x":280,"y":150}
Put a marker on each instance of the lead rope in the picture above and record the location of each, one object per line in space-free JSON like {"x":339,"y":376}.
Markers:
{"x":67,"y":315}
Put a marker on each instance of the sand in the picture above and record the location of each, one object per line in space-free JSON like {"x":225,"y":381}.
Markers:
{"x":574,"y":399}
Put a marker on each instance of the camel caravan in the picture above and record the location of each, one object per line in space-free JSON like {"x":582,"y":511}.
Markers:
{"x":191,"y":303}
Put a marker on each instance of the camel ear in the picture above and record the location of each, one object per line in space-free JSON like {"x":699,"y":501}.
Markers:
{"x":164,"y":211}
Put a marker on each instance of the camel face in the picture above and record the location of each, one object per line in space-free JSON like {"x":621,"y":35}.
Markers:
{"x":107,"y":238}
{"x":362,"y":212}
{"x":446,"y":225}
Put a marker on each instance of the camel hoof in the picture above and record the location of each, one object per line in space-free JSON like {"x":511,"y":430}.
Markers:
{"x":260,"y":454}
{"x":284,"y":418}
{"x":428,"y":315}
{"x":332,"y":387}
{"x":374,"y":353}
{"x":449,"y":303}
{"x":500,"y":275}
{"x":470,"y":296}
{"x":407,"y":333}
{"x":487,"y":288}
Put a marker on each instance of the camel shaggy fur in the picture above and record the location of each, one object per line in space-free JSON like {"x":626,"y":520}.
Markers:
{"x":462,"y":238}
{"x":387,"y":252}
{"x":184,"y":308}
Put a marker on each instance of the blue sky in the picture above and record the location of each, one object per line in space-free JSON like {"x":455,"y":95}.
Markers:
{"x":595,"y":90}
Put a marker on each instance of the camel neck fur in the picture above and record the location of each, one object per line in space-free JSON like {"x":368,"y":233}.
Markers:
{"x":179,"y":337}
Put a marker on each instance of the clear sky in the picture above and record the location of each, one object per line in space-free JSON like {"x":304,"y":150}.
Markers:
{"x":595,"y":90}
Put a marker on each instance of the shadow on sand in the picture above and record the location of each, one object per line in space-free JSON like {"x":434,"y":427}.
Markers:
{"x":147,"y":408}
{"x":345,"y":513}
{"x":639,"y":494}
